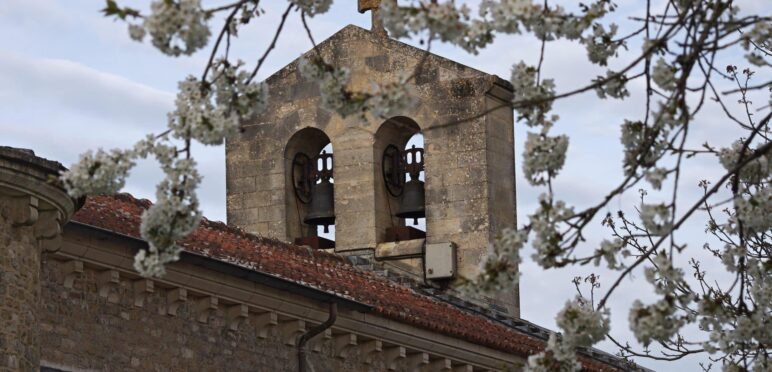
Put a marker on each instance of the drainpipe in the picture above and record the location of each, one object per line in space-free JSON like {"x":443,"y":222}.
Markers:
{"x":303,"y":364}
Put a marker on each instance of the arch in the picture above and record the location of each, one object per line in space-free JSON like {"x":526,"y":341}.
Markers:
{"x":309,"y":141}
{"x":396,"y":131}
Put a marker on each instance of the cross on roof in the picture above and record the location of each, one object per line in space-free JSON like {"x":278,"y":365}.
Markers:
{"x":372,"y":6}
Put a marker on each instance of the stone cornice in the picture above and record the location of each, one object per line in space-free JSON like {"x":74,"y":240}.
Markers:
{"x":290,"y":314}
{"x":30,"y":189}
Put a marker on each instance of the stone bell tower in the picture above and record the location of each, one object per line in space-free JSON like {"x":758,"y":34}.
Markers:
{"x":298,"y":165}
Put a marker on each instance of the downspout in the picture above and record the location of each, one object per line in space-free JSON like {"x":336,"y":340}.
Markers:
{"x":303,"y":363}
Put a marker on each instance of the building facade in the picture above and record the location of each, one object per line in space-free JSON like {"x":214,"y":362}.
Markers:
{"x":264,"y":292}
{"x":71,"y":300}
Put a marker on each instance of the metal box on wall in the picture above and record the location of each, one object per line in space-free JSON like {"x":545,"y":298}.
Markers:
{"x":440,"y":260}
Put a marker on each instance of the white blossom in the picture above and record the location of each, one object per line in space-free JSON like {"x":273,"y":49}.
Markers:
{"x":730,"y":257}
{"x":195,"y":115}
{"x":454,"y":24}
{"x":177,"y":27}
{"x":136,"y":32}
{"x":98,"y":173}
{"x":664,"y":75}
{"x":655,"y":322}
{"x":660,"y":321}
{"x":478,"y":35}
{"x":174,"y":215}
{"x":608,"y":251}
{"x":655,"y":176}
{"x":332,"y":86}
{"x":656,"y":218}
{"x":505,"y":15}
{"x":544,"y":223}
{"x":393,"y":19}
{"x":543,"y":157}
{"x":209,"y":113}
{"x":600,"y":46}
{"x":727,"y":330}
{"x":614,"y":85}
{"x":499,"y":269}
{"x":558,"y":356}
{"x":441,"y":19}
{"x":526,"y":90}
{"x":667,"y":279}
{"x":752,"y":172}
{"x":390,"y":100}
{"x":760,"y":35}
{"x":754,"y":211}
{"x":642,"y":144}
{"x":313,"y":7}
{"x":236,"y":92}
{"x":582,"y":325}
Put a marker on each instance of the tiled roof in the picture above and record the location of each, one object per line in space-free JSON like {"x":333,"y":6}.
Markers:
{"x":325,"y":271}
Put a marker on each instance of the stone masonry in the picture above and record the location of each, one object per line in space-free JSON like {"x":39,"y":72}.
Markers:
{"x":469,"y":163}
{"x":82,"y":330}
{"x":32,"y":213}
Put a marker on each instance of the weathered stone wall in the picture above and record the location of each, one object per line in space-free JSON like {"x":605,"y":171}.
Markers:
{"x":33,"y":210}
{"x":19,"y":294}
{"x":81,"y":330}
{"x":469,"y":164}
{"x":98,"y":314}
{"x":501,"y":183}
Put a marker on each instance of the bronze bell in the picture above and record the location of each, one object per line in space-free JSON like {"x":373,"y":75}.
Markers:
{"x":412,"y":205}
{"x":322,"y":208}
{"x":413,"y":197}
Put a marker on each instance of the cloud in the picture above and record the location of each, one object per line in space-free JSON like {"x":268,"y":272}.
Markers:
{"x":77,"y":88}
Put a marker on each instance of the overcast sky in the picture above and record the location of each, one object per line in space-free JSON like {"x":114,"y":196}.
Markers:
{"x":72,"y":80}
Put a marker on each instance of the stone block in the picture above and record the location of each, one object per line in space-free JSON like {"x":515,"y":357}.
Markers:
{"x":469,"y":164}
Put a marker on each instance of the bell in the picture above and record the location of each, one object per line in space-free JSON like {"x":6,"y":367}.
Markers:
{"x":321,"y":211}
{"x":412,"y":201}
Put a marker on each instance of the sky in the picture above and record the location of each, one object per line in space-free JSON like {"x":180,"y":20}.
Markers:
{"x":72,"y":80}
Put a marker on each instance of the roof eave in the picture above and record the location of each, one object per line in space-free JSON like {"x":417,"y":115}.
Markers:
{"x":237,"y":271}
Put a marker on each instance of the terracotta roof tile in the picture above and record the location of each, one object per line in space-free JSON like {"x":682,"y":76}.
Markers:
{"x":332,"y":273}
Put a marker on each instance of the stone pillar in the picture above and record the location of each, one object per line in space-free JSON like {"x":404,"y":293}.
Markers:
{"x":33,"y":209}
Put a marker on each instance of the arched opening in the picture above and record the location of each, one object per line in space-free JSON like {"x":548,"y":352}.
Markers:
{"x":309,"y":189}
{"x":399,"y":192}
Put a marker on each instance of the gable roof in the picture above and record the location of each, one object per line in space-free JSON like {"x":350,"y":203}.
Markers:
{"x":121,"y":214}
{"x":349,"y":33}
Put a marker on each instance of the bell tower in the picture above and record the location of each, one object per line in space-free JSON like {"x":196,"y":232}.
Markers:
{"x":298,"y":167}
